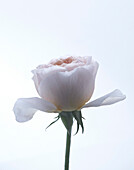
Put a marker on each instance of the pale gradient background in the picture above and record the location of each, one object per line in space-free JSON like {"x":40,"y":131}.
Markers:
{"x":32,"y":33}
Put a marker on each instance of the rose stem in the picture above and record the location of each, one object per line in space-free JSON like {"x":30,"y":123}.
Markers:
{"x":68,"y":143}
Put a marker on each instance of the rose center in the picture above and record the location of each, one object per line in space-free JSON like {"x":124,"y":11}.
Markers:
{"x":64,"y":61}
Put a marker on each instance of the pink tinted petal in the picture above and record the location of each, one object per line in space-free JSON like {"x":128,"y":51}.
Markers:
{"x":40,"y":73}
{"x":108,"y":99}
{"x":25,"y":108}
{"x":69,"y":90}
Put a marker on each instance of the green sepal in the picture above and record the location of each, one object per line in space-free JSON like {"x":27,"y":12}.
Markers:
{"x":57,"y":118}
{"x":67,"y":119}
{"x":77,"y":129}
{"x":78,"y":116}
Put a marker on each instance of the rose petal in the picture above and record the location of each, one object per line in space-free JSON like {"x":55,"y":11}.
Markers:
{"x":25,"y":108}
{"x":41,"y":73}
{"x":69,"y":90}
{"x":108,"y":99}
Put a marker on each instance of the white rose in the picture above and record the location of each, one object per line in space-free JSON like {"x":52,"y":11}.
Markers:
{"x":64,"y":84}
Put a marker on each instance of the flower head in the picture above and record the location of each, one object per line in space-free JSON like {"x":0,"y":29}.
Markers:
{"x":68,"y":82}
{"x":64,"y":84}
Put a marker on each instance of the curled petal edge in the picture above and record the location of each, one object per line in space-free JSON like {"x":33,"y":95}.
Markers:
{"x":108,"y":99}
{"x":25,"y":108}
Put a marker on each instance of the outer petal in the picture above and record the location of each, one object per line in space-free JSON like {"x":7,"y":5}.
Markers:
{"x":41,"y":73}
{"x":69,"y":90}
{"x":108,"y":99}
{"x":25,"y":108}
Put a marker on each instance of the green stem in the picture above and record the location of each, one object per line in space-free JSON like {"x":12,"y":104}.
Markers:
{"x":68,"y":143}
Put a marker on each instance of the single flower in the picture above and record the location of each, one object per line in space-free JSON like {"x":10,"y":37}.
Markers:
{"x":64,"y":85}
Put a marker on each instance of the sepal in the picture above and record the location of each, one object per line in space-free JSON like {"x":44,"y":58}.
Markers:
{"x":57,"y":118}
{"x":67,"y":119}
{"x":78,"y":117}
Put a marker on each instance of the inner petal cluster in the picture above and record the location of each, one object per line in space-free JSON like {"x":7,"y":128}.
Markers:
{"x":62,"y":61}
{"x":67,"y":63}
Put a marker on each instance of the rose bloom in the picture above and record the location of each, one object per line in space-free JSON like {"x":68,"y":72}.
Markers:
{"x":64,"y":84}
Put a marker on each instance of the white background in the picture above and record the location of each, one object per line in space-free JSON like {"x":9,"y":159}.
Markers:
{"x":34,"y":32}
